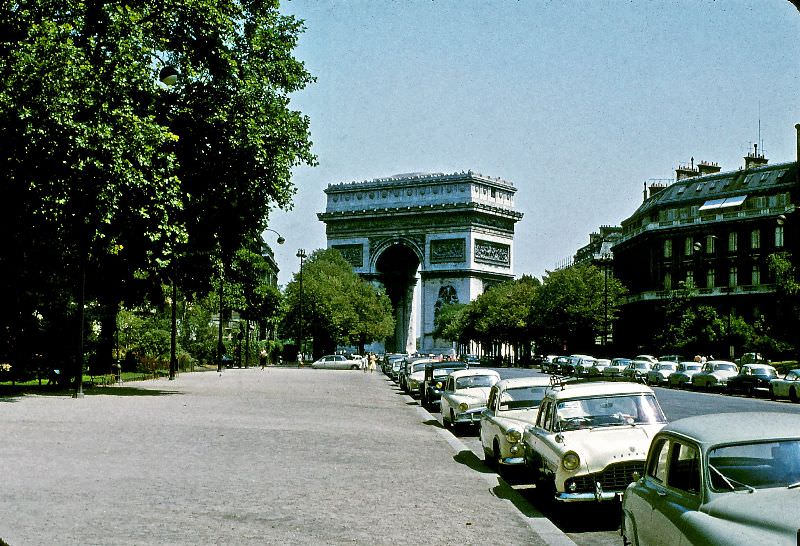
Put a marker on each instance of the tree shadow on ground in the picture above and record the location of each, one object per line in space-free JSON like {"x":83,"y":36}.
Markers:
{"x":470,"y":460}
{"x":12,"y":394}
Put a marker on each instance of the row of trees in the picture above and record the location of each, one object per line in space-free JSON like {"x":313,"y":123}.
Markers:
{"x":115,"y":184}
{"x":573,"y":311}
{"x":566,"y":311}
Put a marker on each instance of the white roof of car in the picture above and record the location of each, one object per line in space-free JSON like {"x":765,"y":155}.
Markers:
{"x":475,"y":371}
{"x":599,"y":388}
{"x":720,"y":428}
{"x":515,"y":382}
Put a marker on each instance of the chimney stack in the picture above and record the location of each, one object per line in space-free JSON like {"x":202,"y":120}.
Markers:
{"x":754,"y":159}
{"x":686,"y":171}
{"x":708,"y":168}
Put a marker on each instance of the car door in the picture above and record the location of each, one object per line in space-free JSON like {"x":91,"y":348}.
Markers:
{"x":447,"y":392}
{"x":641,"y":499}
{"x":682,"y":494}
{"x":542,"y":433}
{"x":488,"y":422}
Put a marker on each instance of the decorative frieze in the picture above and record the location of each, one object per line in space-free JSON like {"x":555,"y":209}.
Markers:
{"x":354,"y":254}
{"x":448,"y":251}
{"x":489,"y":252}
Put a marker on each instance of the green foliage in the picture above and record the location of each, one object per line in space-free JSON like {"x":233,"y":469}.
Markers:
{"x":110,"y":176}
{"x":338,"y":307}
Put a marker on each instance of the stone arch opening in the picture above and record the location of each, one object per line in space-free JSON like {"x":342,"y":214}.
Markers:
{"x":396,"y":269}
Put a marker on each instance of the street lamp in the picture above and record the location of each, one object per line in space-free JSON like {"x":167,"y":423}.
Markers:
{"x":302,"y":255}
{"x":280,"y":240}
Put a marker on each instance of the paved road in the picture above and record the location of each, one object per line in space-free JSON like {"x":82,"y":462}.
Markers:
{"x":597,"y":525}
{"x":252,"y":456}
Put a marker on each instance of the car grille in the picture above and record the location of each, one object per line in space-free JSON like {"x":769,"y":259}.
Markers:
{"x":614,"y":477}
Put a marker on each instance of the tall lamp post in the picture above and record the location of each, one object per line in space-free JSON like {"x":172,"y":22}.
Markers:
{"x":280,"y":240}
{"x":606,"y":259}
{"x":302,"y":255}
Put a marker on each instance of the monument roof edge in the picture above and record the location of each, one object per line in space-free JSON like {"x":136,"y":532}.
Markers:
{"x":401,"y":180}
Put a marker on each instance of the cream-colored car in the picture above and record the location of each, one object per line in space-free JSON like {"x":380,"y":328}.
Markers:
{"x":590,"y":438}
{"x":465,"y":394}
{"x":511,"y":407}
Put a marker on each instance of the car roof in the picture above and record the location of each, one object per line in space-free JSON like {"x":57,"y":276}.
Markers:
{"x":755,"y":366}
{"x":513,"y":382}
{"x":474,"y":371}
{"x":599,"y":388}
{"x":721,"y":428}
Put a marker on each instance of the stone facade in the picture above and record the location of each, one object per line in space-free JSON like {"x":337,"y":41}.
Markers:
{"x":453,"y":232}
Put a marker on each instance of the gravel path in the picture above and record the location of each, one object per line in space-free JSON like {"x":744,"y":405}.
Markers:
{"x":253,"y":456}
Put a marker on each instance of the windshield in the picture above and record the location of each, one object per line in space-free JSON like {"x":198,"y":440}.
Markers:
{"x":620,"y":362}
{"x":757,"y":465}
{"x":692,"y":367}
{"x":471,"y":381}
{"x":768,"y":372}
{"x":663,"y":366}
{"x":419,"y":366}
{"x":639,"y":409}
{"x":522,"y":397}
{"x":729,"y":367}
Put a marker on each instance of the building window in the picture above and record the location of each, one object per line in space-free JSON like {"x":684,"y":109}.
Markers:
{"x":756,"y":278}
{"x":779,"y":237}
{"x":689,"y":278}
{"x":667,"y":281}
{"x":710,"y":245}
{"x":710,"y":278}
{"x":755,"y":239}
{"x":733,"y":241}
{"x":733,"y":276}
{"x":687,"y":246}
{"x":668,"y":248}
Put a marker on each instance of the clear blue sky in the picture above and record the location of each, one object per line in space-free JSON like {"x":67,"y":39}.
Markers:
{"x":576,"y":103}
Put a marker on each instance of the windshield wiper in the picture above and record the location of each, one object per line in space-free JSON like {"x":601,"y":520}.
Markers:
{"x":730,"y":481}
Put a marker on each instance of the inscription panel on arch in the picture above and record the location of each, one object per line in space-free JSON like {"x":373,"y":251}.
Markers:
{"x":448,"y":251}
{"x":492,"y":253}
{"x":354,"y":254}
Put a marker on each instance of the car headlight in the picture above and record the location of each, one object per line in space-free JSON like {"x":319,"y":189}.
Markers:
{"x":463,"y":406}
{"x":570,"y":461}
{"x":513,"y":436}
{"x":438,"y":384}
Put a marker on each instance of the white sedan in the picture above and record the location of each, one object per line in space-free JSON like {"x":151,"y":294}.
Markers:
{"x":788,"y":387}
{"x":511,"y":407}
{"x":338,"y":362}
{"x":465,"y":394}
{"x":590,"y":438}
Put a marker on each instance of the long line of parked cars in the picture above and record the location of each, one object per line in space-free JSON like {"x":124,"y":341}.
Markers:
{"x":714,"y":479}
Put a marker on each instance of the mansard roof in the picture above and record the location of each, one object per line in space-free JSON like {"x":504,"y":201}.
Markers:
{"x":720,"y":189}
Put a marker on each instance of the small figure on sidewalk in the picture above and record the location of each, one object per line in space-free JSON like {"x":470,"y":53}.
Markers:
{"x":372,"y":364}
{"x":262,"y":356}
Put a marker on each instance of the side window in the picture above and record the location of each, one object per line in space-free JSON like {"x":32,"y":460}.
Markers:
{"x":544,"y":411}
{"x":492,"y":399}
{"x":451,"y":385}
{"x":684,"y":468}
{"x":548,"y":416}
{"x":657,"y":465}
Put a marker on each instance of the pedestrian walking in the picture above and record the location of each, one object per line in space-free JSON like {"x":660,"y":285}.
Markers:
{"x":372,"y":362}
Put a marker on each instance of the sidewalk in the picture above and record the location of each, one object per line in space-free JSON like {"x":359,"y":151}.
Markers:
{"x":254,"y":456}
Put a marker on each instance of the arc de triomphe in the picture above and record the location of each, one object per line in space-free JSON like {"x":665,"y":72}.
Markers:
{"x":453,"y":232}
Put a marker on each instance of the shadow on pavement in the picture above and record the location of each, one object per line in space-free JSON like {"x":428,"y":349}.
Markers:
{"x":11,"y":395}
{"x":469,"y":459}
{"x":433,"y":423}
{"x":505,"y":491}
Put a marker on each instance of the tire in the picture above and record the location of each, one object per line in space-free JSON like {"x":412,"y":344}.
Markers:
{"x":750,"y":392}
{"x":793,"y":395}
{"x":772,"y":393}
{"x":496,"y":457}
{"x":353,"y":367}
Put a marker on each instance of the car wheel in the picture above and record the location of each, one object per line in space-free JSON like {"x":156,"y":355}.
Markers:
{"x":488,"y":458}
{"x":353,"y":367}
{"x":771,"y":393}
{"x":793,"y":395}
{"x":751,"y":391}
{"x":497,"y":458}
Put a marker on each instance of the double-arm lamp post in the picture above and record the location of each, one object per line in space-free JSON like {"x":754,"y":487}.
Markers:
{"x":302,"y":255}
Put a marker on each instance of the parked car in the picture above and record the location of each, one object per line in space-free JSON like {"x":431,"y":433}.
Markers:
{"x":582,"y":364}
{"x":430,"y":390}
{"x":715,"y":374}
{"x":394,"y":373}
{"x":752,"y":378}
{"x":414,"y":379}
{"x":599,"y":365}
{"x":548,"y":364}
{"x":338,"y":362}
{"x":511,"y":407}
{"x":650,"y":358}
{"x":616,"y":367}
{"x":464,"y":396}
{"x":683,"y":375}
{"x":787,"y":387}
{"x":589,"y":439}
{"x":562,"y":365}
{"x":637,"y":370}
{"x":671,"y":358}
{"x":728,"y":479}
{"x":659,"y":374}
